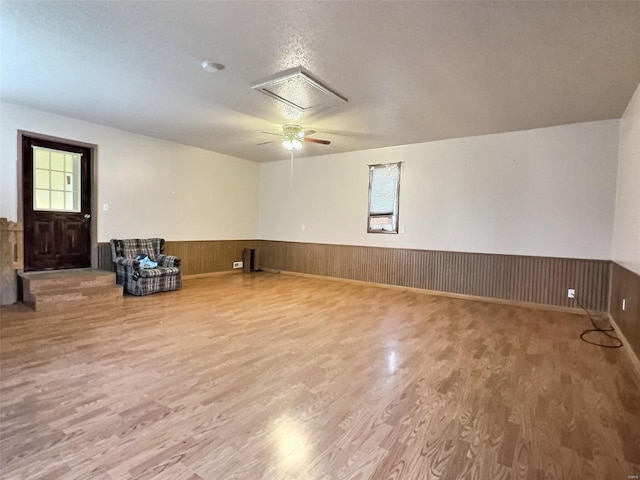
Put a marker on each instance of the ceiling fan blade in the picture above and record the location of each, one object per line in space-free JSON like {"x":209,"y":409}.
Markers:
{"x":271,"y":133}
{"x":265,"y":143}
{"x":308,"y":132}
{"x":317,"y":140}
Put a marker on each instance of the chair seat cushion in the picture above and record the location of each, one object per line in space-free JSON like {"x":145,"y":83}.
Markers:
{"x":158,"y":271}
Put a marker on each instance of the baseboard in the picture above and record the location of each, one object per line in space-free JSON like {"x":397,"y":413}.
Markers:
{"x":211,"y":274}
{"x":539,"y":306}
{"x":627,"y":345}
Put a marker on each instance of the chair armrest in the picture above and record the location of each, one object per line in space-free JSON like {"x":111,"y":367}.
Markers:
{"x":128,"y":262}
{"x":168,"y":261}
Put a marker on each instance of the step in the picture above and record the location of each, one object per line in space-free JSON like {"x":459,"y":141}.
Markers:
{"x":36,"y":282}
{"x":74,"y":297}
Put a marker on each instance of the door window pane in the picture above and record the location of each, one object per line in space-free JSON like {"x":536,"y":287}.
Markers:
{"x":57,"y":200}
{"x":41,"y":200}
{"x":69,"y":201}
{"x":57,"y":161}
{"x":42,"y":178}
{"x":56,"y":180}
{"x":41,"y":158}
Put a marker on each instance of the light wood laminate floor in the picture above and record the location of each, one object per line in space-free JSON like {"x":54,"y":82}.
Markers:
{"x":278,"y":377}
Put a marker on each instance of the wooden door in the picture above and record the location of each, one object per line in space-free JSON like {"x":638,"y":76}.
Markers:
{"x":56,"y":195}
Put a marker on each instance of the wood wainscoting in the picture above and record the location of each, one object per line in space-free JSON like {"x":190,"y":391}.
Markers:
{"x":542,"y":280}
{"x":198,"y":257}
{"x":625,"y":284}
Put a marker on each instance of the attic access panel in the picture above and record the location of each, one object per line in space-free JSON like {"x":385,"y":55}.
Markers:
{"x":298,"y":89}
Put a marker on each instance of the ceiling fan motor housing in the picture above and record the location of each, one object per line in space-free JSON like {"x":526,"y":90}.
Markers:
{"x":292,"y":131}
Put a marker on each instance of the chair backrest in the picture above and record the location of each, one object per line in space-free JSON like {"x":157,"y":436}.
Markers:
{"x":131,"y":247}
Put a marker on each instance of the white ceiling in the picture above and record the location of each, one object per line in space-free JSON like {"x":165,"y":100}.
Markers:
{"x":411,"y":71}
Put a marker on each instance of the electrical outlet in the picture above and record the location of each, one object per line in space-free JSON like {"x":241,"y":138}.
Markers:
{"x":571,"y":293}
{"x":624,"y":304}
{"x":237,"y":264}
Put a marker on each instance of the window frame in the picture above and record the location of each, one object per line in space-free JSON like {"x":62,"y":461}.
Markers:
{"x":76,"y":187}
{"x":395,"y":215}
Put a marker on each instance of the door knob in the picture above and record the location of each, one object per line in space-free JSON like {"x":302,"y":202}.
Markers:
{"x":87,"y":216}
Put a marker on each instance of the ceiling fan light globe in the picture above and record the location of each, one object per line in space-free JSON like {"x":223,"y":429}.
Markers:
{"x":296,"y":144}
{"x":288,"y":144}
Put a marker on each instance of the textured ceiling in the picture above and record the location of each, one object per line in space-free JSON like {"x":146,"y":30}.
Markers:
{"x":411,"y":71}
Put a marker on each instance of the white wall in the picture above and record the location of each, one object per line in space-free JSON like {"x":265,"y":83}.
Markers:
{"x":544,"y":192}
{"x":152,"y":187}
{"x":626,"y":232}
{"x":547,"y":192}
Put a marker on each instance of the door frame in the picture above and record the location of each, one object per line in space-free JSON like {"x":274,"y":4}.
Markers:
{"x":93,"y":179}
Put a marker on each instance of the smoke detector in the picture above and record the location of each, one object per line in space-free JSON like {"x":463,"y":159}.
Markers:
{"x":212,"y":67}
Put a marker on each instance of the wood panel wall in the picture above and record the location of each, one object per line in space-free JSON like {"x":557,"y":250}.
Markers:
{"x":626,"y":284}
{"x":542,"y":280}
{"x":198,"y":257}
{"x":511,"y":277}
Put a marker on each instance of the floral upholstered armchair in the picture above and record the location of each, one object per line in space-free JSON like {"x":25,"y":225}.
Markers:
{"x":138,"y":280}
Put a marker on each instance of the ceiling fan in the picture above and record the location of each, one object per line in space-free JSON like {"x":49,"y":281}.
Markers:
{"x":293,"y":136}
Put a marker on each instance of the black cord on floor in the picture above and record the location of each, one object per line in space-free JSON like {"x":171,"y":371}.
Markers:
{"x":596,"y":328}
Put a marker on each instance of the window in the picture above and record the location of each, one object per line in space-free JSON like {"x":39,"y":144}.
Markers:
{"x":56,"y":180}
{"x":384,"y":193}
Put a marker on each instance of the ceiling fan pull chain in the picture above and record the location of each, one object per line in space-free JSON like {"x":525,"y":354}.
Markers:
{"x":291,"y":174}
